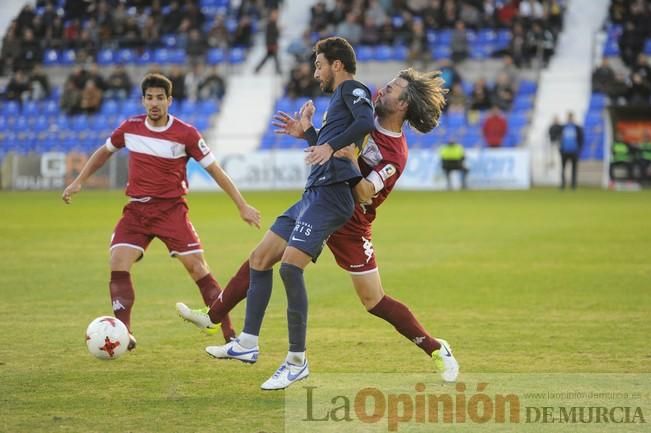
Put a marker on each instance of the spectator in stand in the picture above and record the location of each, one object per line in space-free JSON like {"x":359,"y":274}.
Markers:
{"x":480,"y":98}
{"x":387,"y":33}
{"x":494,"y":128}
{"x":376,"y":13}
{"x":489,"y":17}
{"x":10,"y":48}
{"x":18,"y":88}
{"x":177,"y":77}
{"x":554,"y":15}
{"x":70,"y":97}
{"x":272,"y":35}
{"x":506,"y":13}
{"x":320,"y":18}
{"x":417,"y":44}
{"x":243,"y":35}
{"x":192,"y":80}
{"x":39,"y":83}
{"x":212,"y":86}
{"x":457,"y":99}
{"x":571,"y":144}
{"x":151,"y":32}
{"x":449,"y":16}
{"x":218,"y":36}
{"x":449,"y":73}
{"x":619,"y":89}
{"x":541,"y":43}
{"x":196,"y":47}
{"x":470,"y":16}
{"x":302,"y":82}
{"x":119,"y":83}
{"x":503,"y":93}
{"x":631,"y":43}
{"x":30,"y":51}
{"x":91,"y":98}
{"x":96,"y":75}
{"x":301,"y":47}
{"x":459,"y":43}
{"x":370,"y":32}
{"x":518,"y":48}
{"x":530,"y":11}
{"x":603,"y":77}
{"x":509,"y":69}
{"x":639,"y":91}
{"x":172,"y":19}
{"x":642,"y":67}
{"x":350,"y":29}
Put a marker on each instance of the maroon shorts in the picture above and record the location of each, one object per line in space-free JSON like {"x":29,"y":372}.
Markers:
{"x":353,"y":249}
{"x":165,"y":219}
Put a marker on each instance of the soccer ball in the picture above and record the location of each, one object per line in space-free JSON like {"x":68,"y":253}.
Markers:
{"x":107,"y":338}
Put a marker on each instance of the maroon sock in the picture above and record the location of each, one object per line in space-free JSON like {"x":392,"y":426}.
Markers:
{"x":234,"y":292}
{"x":122,"y":296}
{"x":397,"y":314}
{"x":210,"y":292}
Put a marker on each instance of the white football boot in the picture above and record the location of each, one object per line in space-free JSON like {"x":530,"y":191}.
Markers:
{"x":445,"y":362}
{"x":233,"y":350}
{"x":286,"y":375}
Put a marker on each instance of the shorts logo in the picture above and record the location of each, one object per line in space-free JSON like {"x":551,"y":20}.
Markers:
{"x":117,"y":305}
{"x":388,"y":171}
{"x":368,"y":249}
{"x":360,"y":94}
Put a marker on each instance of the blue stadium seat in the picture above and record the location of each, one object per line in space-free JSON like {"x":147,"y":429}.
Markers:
{"x":10,"y":108}
{"x":125,"y":55}
{"x":79,"y":123}
{"x":162,"y":56}
{"x":384,"y":53}
{"x":486,"y":36}
{"x":611,"y":48}
{"x":527,"y":87}
{"x":131,"y":108}
{"x":51,"y":108}
{"x":456,"y":120}
{"x":647,"y":47}
{"x":146,"y":57}
{"x":522,"y":103}
{"x":169,"y":40}
{"x":365,"y":53}
{"x":236,"y":55}
{"x":110,"y":107}
{"x":215,"y":56}
{"x":31,"y":108}
{"x":597,"y":101}
{"x":208,"y":107}
{"x":51,"y":57}
{"x":441,"y":52}
{"x":67,"y":57}
{"x":41,"y":123}
{"x":105,"y":57}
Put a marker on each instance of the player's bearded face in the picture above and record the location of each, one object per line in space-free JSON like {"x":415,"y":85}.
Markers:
{"x":156,"y":103}
{"x":323,"y":74}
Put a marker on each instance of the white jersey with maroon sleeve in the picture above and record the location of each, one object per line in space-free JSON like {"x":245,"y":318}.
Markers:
{"x":158,"y":155}
{"x":381,"y":162}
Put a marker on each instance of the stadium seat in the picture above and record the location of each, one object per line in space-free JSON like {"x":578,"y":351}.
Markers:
{"x":365,"y":53}
{"x":105,"y":57}
{"x":236,"y":56}
{"x":527,"y":87}
{"x":10,"y":108}
{"x":51,"y":108}
{"x":79,"y":123}
{"x":208,"y":107}
{"x":384,"y":53}
{"x":597,"y":101}
{"x":67,"y":57}
{"x":215,"y":56}
{"x":50,"y":57}
{"x":125,"y":56}
{"x":647,"y":47}
{"x":31,"y":108}
{"x":110,"y":107}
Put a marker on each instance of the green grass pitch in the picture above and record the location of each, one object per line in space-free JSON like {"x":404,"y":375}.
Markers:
{"x":536,"y":281}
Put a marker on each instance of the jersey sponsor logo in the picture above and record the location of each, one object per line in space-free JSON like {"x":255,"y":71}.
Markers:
{"x":117,"y":305}
{"x":388,"y":171}
{"x":203,"y":147}
{"x":360,"y":94}
{"x":356,"y":266}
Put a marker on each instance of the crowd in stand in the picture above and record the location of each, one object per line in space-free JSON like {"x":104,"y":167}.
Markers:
{"x":632,"y":87}
{"x":86,"y":26}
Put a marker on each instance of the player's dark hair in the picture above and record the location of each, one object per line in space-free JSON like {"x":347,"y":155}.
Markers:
{"x":425,"y":97}
{"x":156,"y":80}
{"x":336,"y":48}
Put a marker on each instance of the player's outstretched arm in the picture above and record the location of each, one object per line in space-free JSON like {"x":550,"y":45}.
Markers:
{"x":296,"y":125}
{"x":94,"y":163}
{"x":247,"y":212}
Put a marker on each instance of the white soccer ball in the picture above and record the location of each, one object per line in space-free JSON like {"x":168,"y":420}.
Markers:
{"x":107,"y":338}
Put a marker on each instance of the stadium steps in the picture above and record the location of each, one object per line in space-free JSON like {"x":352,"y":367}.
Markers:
{"x":565,"y":85}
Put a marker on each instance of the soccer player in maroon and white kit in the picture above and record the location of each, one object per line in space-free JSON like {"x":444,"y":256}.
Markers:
{"x":413,"y":97}
{"x":160,"y":146}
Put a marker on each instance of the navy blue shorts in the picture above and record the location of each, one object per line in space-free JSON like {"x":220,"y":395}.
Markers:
{"x":319,"y":213}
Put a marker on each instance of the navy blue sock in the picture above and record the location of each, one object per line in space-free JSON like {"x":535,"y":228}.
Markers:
{"x":296,"y":305}
{"x":257,"y":299}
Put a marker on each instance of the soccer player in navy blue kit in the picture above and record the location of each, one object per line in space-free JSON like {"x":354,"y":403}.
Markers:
{"x":297,"y":237}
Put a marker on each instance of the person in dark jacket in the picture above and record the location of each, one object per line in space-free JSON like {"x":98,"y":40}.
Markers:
{"x":570,"y":146}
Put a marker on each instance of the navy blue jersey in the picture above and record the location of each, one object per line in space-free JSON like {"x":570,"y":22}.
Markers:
{"x":348,"y":119}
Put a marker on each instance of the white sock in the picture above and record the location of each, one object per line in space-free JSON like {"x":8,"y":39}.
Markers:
{"x":295,"y":358}
{"x":248,"y":341}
